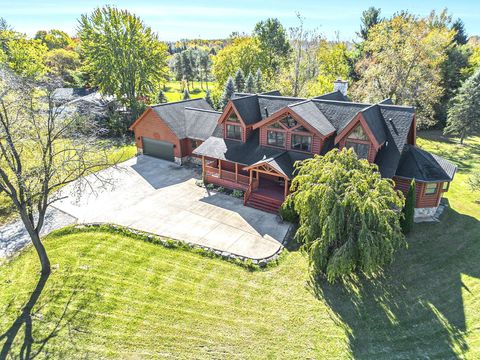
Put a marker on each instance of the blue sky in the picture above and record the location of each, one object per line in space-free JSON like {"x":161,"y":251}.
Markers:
{"x":179,"y":19}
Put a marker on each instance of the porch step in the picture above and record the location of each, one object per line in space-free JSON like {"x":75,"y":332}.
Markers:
{"x":264,"y":203}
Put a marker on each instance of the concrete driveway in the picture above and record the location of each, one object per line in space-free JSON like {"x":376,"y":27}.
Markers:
{"x":160,"y":197}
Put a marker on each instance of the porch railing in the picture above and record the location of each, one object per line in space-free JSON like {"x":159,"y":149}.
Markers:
{"x":226,"y":175}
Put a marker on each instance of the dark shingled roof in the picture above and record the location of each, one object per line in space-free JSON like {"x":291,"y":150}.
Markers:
{"x":200,"y":124}
{"x":334,"y":95}
{"x":274,"y":103}
{"x":375,"y":122}
{"x":173,"y":114}
{"x":308,"y":111}
{"x":273,"y":93}
{"x":339,"y":113}
{"x":397,"y":121}
{"x":420,"y":165}
{"x":247,"y":107}
{"x":250,"y":153}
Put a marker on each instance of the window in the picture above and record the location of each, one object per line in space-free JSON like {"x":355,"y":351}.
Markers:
{"x":195,"y":144}
{"x":289,"y":122}
{"x":358,"y":133}
{"x":234,"y":132}
{"x":275,"y":126}
{"x":445,"y":186}
{"x":300,"y":129}
{"x":360,"y":149}
{"x":276,"y":138}
{"x":431,"y":189}
{"x":302,"y":143}
{"x":233,"y":118}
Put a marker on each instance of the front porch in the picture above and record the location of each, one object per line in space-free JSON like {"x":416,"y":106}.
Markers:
{"x":264,"y":187}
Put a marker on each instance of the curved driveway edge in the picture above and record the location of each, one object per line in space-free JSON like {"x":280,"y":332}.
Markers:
{"x":161,"y":198}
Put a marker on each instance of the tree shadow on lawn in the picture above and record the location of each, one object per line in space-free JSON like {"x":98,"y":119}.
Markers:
{"x":48,"y":312}
{"x":415,"y":308}
{"x":463,"y":155}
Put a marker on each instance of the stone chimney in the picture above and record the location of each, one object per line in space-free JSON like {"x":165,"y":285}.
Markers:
{"x":340,"y":85}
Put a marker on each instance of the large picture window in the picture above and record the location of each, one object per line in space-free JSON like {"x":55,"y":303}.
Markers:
{"x":234,"y":132}
{"x":302,"y":142}
{"x":276,"y":138}
{"x":358,"y":134}
{"x":360,"y":149}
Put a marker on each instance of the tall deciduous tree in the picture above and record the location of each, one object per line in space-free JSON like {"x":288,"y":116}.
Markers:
{"x":186,"y":94}
{"x":124,"y":56}
{"x":40,"y":151}
{"x":303,"y":67}
{"x":402,"y":59}
{"x":464,"y":113}
{"x":349,"y":216}
{"x":239,"y":81}
{"x":243,"y":53}
{"x":227,"y":92}
{"x":274,"y":44}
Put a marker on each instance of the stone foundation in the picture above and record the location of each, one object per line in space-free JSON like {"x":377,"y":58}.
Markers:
{"x":425,"y":212}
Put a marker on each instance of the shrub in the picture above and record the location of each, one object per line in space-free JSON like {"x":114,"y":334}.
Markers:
{"x":237,"y":193}
{"x":210,"y":186}
{"x":408,"y":212}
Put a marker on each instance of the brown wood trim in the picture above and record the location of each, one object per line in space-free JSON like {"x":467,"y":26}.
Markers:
{"x":279,"y":114}
{"x":358,"y":119}
{"x":135,"y":123}
{"x":227,"y":111}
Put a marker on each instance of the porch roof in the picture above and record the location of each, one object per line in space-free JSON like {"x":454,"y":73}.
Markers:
{"x":250,"y":153}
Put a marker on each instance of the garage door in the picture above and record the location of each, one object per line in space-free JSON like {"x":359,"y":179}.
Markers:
{"x":160,"y":149}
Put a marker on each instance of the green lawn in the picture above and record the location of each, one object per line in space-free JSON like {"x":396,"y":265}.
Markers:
{"x":116,"y":153}
{"x":113,"y":296}
{"x":174,"y":92}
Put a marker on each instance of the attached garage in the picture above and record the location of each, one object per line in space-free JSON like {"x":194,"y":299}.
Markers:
{"x":157,"y":148}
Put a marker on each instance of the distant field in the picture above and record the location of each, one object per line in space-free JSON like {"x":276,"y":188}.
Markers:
{"x":174,"y":92}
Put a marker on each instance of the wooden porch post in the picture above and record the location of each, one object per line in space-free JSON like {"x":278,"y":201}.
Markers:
{"x":251,"y":177}
{"x":286,"y":187}
{"x":219,"y":168}
{"x":203,"y":168}
{"x":236,"y":172}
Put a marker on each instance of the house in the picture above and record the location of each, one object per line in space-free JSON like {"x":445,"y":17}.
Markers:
{"x":172,"y":131}
{"x":254,"y":143}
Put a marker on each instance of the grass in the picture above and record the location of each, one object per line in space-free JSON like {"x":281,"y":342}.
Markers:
{"x":174,"y":92}
{"x":114,"y":296}
{"x":116,"y":153}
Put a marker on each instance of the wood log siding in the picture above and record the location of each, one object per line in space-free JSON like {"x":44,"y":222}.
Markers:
{"x":422,"y":200}
{"x":316,"y":140}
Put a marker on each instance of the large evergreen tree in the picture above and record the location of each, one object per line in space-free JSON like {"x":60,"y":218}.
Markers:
{"x":464,"y":113}
{"x":461,"y":36}
{"x":258,"y":81}
{"x":370,"y":18}
{"x":239,"y":81}
{"x":161,"y":98}
{"x":123,"y":56}
{"x":409,"y":209}
{"x":208,"y":98}
{"x":250,"y":84}
{"x":348,"y":214}
{"x":227,"y":92}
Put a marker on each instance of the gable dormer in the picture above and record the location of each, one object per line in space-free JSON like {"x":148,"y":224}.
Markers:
{"x":358,"y":135}
{"x":234,"y":127}
{"x":287,"y":130}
